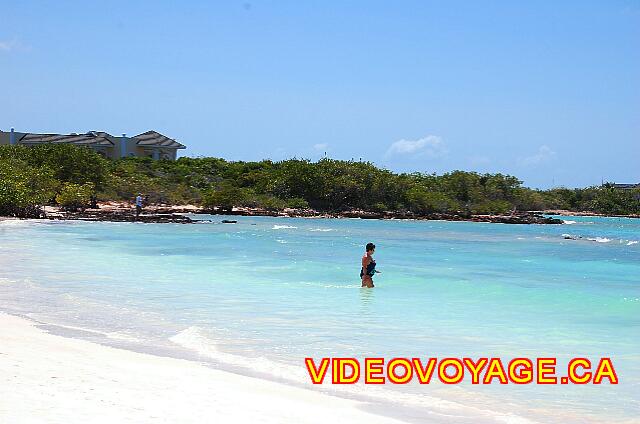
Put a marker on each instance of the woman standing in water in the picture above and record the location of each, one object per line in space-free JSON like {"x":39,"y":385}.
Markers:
{"x":368,"y":266}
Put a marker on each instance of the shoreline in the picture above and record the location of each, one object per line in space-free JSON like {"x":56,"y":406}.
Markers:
{"x":564,"y":212}
{"x":124,"y":212}
{"x":67,"y":380}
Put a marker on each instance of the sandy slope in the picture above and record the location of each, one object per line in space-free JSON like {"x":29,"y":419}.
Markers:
{"x":46,"y":378}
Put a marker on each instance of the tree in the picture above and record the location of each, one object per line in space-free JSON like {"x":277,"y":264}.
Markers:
{"x":75,"y":196}
{"x":297,"y":203}
{"x":24,"y":189}
{"x":69,"y":163}
{"x":610,"y":200}
{"x":224,"y":197}
{"x":423,"y":201}
{"x":33,"y":176}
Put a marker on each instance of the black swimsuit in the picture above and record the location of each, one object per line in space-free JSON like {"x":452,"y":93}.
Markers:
{"x":371,"y":269}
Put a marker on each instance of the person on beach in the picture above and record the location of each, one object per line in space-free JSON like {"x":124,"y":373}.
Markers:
{"x":368,"y":266}
{"x":138,"y":204}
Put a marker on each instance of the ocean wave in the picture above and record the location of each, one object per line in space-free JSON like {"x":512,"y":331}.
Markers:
{"x":324,"y":230}
{"x":16,"y":222}
{"x":599,"y":239}
{"x":114,"y":335}
{"x":332,"y":286}
{"x":569,"y":222}
{"x":567,"y":236}
{"x":32,"y":222}
{"x":196,"y":339}
{"x":282,"y":227}
{"x":122,"y":335}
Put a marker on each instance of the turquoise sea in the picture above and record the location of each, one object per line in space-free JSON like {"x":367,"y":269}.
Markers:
{"x":258,"y":296}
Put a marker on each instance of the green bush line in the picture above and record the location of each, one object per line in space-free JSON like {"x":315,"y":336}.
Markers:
{"x":70,"y":176}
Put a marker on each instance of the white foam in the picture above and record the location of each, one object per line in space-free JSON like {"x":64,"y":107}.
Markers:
{"x":281,"y":227}
{"x":324,"y":230}
{"x":600,"y":239}
{"x":195,"y":338}
{"x":632,"y":242}
{"x":15,"y":222}
{"x":332,"y":286}
{"x":569,"y":222}
{"x":120,"y":335}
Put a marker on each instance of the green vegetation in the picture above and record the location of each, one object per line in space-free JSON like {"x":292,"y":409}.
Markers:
{"x":75,"y":196}
{"x":23,"y":188}
{"x":69,"y":176}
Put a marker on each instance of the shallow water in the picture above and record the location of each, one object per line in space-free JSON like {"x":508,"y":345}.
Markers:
{"x":259,"y":296}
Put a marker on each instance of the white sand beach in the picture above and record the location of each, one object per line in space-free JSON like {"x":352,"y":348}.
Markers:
{"x":52,"y":379}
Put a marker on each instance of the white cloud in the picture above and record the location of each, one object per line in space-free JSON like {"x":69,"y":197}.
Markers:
{"x":8,"y":45}
{"x":544,"y":154}
{"x":321,"y":147}
{"x":430,"y":146}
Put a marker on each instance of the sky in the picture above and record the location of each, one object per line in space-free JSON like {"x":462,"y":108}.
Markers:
{"x":547,"y":91}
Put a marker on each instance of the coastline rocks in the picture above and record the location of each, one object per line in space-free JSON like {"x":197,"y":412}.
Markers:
{"x":174,"y":214}
{"x":362,"y":215}
{"x":118,"y":216}
{"x":519,"y":218}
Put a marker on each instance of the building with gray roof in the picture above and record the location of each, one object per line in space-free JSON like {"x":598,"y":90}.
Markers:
{"x":148,"y":144}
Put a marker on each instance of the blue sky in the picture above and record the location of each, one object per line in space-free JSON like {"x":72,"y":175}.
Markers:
{"x":546,"y":91}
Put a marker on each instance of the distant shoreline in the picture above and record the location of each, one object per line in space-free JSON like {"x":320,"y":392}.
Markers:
{"x":564,"y":212}
{"x":125,"y":212}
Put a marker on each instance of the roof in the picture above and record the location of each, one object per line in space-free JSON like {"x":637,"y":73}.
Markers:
{"x":92,"y":137}
{"x":626,"y":186}
{"x":101,"y":138}
{"x":154,"y":138}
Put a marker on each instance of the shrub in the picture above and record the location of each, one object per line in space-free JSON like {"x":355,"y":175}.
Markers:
{"x":70,"y":163}
{"x":75,"y":196}
{"x":422,"y":201}
{"x":297,"y":203}
{"x":271,"y":203}
{"x":225,"y":197}
{"x":492,"y":206}
{"x":379,"y":207}
{"x":24,"y":189}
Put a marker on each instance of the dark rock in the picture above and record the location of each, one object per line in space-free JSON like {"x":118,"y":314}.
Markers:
{"x":120,"y":216}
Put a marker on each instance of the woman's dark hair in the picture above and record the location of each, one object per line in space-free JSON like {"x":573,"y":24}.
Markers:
{"x":370,"y":247}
